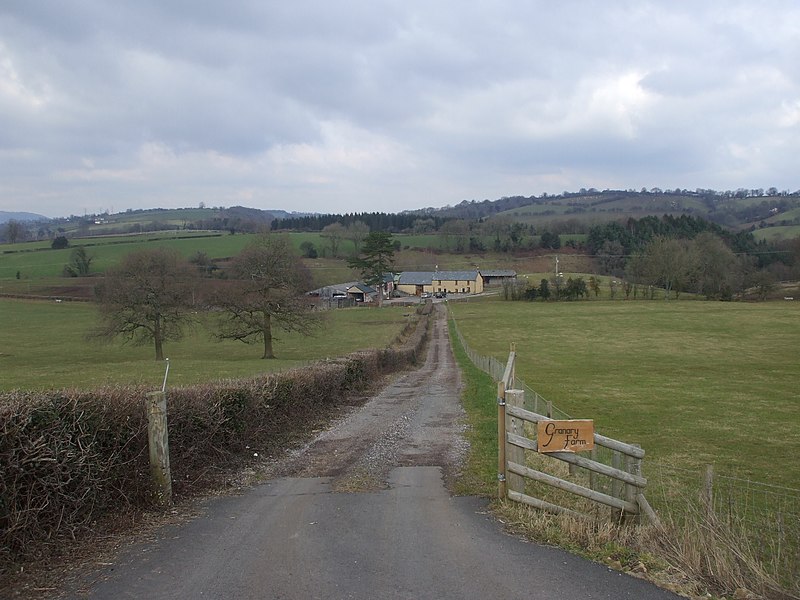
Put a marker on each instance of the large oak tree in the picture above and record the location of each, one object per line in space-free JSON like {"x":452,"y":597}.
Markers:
{"x":265,"y":291}
{"x":146,"y":298}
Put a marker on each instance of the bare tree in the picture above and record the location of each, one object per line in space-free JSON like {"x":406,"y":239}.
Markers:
{"x":334,"y":234}
{"x":146,"y":298}
{"x":667,"y":263}
{"x":713,"y":265}
{"x":457,"y":229}
{"x":356,"y":232}
{"x":266,"y":291}
{"x":15,"y":231}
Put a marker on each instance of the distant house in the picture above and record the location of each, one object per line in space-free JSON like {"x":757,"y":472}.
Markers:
{"x":498,"y":276}
{"x":417,"y":283}
{"x":457,"y":282}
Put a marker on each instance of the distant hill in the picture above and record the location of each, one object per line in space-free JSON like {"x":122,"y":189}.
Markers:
{"x":234,"y":218}
{"x":6,"y":216}
{"x":737,"y":210}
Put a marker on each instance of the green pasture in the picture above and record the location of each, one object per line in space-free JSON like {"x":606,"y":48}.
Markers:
{"x":44,"y":345}
{"x":597,"y":209}
{"x":107,"y":251}
{"x":692,"y":382}
{"x":33,"y":260}
{"x":37,"y":261}
{"x":779,"y":232}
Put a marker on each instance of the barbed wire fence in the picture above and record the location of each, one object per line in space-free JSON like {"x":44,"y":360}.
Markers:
{"x":766,"y":515}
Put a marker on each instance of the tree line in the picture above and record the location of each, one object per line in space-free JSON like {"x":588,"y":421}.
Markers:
{"x":376,"y":221}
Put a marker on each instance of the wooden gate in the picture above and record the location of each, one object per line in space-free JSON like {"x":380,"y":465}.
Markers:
{"x":517,"y":436}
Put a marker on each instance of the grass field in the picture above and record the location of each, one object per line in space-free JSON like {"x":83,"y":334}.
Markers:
{"x":32,"y":263}
{"x":44,"y":346}
{"x":692,"y":382}
{"x":780,"y":232}
{"x":34,"y":260}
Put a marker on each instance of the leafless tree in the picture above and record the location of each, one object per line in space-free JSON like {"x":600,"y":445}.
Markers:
{"x":147,"y":297}
{"x":266,"y":291}
{"x":334,"y":234}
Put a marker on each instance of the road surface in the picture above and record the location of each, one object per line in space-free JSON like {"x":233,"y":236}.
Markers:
{"x":361,"y":512}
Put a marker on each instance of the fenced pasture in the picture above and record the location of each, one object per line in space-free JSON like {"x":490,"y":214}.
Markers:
{"x":729,"y":512}
{"x":44,"y":346}
{"x":36,"y":259}
{"x":694,"y":383}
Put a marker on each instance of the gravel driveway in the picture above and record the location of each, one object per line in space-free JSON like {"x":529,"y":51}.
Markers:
{"x":415,"y":421}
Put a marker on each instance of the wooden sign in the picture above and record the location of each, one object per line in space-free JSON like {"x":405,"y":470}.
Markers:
{"x":575,"y":435}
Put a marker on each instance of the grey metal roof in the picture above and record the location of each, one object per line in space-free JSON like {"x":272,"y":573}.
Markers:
{"x":455,"y":275}
{"x":362,"y":287}
{"x":415,"y":278}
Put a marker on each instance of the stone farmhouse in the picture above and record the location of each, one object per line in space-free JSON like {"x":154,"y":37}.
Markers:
{"x":416,"y":283}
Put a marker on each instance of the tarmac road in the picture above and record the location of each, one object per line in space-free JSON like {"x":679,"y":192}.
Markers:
{"x":362,"y":512}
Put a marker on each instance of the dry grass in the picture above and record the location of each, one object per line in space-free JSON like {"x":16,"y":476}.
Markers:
{"x":696,"y":557}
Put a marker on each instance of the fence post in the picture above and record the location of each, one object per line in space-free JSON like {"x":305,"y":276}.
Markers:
{"x":633,"y":466}
{"x":707,"y":492}
{"x":501,"y":440}
{"x":517,"y":426}
{"x":513,"y":350}
{"x":616,"y":485}
{"x":158,"y":443}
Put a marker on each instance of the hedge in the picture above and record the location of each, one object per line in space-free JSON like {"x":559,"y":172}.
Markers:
{"x":71,"y":457}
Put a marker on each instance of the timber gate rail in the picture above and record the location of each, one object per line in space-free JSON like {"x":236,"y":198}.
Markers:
{"x":610,"y":476}
{"x":516,"y":434}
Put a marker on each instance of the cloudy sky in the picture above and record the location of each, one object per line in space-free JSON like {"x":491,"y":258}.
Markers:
{"x":389,"y":105}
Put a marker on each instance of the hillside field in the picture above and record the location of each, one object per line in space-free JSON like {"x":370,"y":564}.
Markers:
{"x":693,"y":382}
{"x":44,"y":346}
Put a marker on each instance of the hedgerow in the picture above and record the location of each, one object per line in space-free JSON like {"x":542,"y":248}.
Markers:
{"x":71,"y":457}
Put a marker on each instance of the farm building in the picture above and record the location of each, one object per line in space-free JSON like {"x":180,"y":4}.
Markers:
{"x":361,"y":292}
{"x":458,"y":282}
{"x":417,"y":283}
{"x":498,"y":277}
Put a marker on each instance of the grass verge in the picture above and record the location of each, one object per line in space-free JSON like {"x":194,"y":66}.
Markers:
{"x":480,"y":475}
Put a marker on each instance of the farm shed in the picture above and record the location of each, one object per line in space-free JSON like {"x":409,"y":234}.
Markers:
{"x":360,"y":292}
{"x":498,"y":276}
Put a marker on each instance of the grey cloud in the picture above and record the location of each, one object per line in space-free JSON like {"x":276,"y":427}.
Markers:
{"x":318,"y":103}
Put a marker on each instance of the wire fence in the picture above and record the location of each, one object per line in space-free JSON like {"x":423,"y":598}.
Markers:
{"x":767,"y":516}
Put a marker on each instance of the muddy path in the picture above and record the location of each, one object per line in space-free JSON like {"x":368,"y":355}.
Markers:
{"x":417,"y":420}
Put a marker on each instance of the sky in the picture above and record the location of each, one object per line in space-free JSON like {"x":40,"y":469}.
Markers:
{"x":320,"y":106}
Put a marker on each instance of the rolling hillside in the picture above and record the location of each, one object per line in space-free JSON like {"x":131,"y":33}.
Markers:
{"x":734,"y":210}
